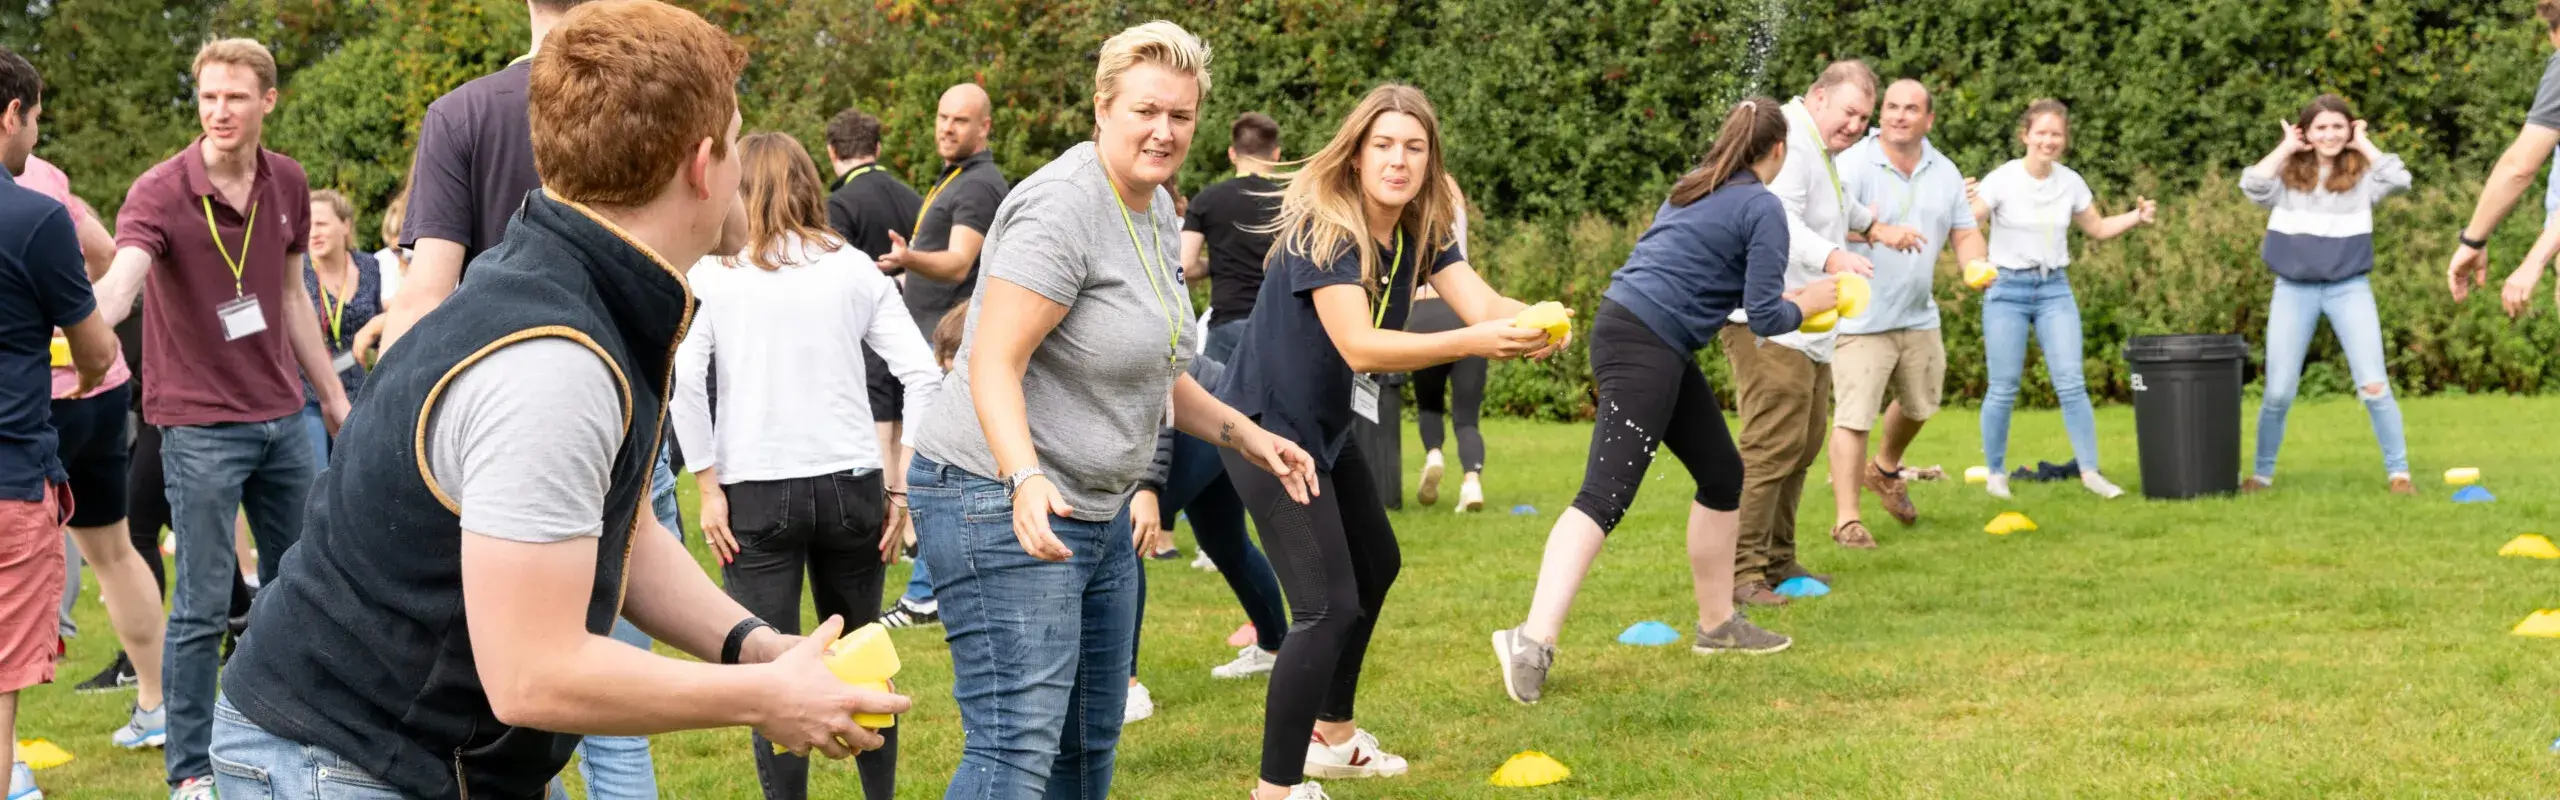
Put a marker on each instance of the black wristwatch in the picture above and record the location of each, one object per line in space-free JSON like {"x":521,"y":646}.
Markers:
{"x":738,"y":638}
{"x":2465,"y":238}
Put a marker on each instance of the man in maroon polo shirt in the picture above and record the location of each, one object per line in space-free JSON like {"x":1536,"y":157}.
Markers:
{"x":213,"y":237}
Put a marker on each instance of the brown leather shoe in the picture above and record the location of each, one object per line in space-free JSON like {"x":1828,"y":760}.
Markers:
{"x":1889,"y":487}
{"x":2401,"y":486}
{"x":1758,"y":593}
{"x":2255,"y":485}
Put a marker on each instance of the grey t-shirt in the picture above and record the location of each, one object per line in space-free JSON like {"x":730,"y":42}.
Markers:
{"x":2546,"y":97}
{"x":1097,"y":387}
{"x":524,"y":441}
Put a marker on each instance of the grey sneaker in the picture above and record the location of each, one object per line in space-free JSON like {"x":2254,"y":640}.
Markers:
{"x":145,"y":729}
{"x":1738,"y":635}
{"x":1525,"y":662}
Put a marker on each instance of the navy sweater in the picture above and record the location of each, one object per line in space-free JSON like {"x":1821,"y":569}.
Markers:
{"x":1699,"y":262}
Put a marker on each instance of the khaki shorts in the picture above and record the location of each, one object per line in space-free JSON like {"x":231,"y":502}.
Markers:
{"x":1911,"y":363}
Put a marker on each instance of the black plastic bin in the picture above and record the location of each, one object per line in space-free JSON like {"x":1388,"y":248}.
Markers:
{"x":2186,"y":412}
{"x":1383,"y":441}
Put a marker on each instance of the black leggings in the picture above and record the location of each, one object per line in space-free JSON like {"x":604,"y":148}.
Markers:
{"x":1431,"y":387}
{"x":1651,"y":392}
{"x":1336,"y":559}
{"x":827,"y":527}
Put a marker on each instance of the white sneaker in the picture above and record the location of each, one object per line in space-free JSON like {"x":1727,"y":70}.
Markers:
{"x":200,"y":788}
{"x":1250,"y":661}
{"x":1358,"y":758}
{"x":1308,"y":790}
{"x":22,"y":783}
{"x":2098,"y":485}
{"x":1470,"y":496}
{"x":144,"y":729}
{"x":1202,"y":562}
{"x":1997,"y":485}
{"x":1427,"y":491}
{"x":1141,"y":704}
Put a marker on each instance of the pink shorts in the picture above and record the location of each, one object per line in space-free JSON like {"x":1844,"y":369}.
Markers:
{"x":30,"y":589}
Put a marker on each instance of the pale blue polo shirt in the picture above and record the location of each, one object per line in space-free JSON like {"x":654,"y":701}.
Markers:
{"x":1931,"y":199}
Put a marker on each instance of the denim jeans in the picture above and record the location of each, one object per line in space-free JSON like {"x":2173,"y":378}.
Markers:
{"x":824,"y":529}
{"x":1224,"y":335}
{"x":214,"y":472}
{"x":618,"y":767}
{"x":1039,"y":649}
{"x":2291,"y":319}
{"x":919,"y":583}
{"x":251,"y":764}
{"x":317,"y":430}
{"x":2040,"y":300}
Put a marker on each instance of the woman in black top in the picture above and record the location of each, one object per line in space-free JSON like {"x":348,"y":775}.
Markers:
{"x":1362,"y":223}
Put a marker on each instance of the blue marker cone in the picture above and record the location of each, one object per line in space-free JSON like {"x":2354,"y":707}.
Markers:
{"x":2473,"y":494}
{"x":1649,"y":634}
{"x":1801,"y":586}
{"x":1523,"y":510}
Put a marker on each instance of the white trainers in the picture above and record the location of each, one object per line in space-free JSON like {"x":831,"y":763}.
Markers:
{"x":1202,"y":562}
{"x":1470,"y":496}
{"x":2098,"y":485}
{"x":144,"y":729}
{"x":22,"y":783}
{"x":1308,"y":790}
{"x":1358,"y":758}
{"x":1141,"y":704}
{"x":1997,"y":485}
{"x":1427,"y":491}
{"x":200,"y":788}
{"x":1250,"y":661}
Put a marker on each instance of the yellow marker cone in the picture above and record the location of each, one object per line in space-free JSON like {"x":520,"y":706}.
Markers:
{"x":2008,"y":523}
{"x":2531,"y":545}
{"x":41,"y":754}
{"x":1530,"y":768}
{"x":867,"y":659}
{"x":1977,"y":475}
{"x":2462,"y":476}
{"x":1549,"y":316}
{"x":2545,"y":624}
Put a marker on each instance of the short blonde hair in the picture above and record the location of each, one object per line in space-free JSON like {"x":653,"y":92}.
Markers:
{"x":242,"y":52}
{"x":1160,"y":43}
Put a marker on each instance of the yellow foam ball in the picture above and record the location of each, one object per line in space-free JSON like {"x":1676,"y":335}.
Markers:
{"x":867,"y":659}
{"x":1549,"y":316}
{"x":1854,"y":293}
{"x":1979,"y":274}
{"x":1821,"y":323}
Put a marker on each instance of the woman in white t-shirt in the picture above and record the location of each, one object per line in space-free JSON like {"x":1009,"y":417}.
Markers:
{"x":2029,"y":205}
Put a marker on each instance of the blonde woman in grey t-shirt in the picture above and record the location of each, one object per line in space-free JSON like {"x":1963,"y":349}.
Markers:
{"x":1073,"y":356}
{"x":2029,"y":205}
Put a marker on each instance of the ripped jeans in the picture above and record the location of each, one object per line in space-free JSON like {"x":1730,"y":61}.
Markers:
{"x":2291,"y":319}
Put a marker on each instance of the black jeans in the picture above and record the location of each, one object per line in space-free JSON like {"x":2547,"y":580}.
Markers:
{"x":829,"y":526}
{"x":1336,"y":557}
{"x":1651,"y":394}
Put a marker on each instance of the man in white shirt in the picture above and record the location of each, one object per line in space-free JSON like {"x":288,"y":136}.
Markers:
{"x":1782,"y":385}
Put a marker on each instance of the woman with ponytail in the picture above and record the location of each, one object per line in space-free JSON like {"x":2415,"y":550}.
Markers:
{"x":1719,"y":244}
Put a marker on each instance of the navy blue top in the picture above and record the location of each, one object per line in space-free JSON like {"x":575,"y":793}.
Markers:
{"x":358,"y":310}
{"x":44,"y":284}
{"x":1286,"y":373}
{"x":1699,"y":262}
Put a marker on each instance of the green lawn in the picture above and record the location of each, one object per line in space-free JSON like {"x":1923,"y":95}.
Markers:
{"x":2324,"y":641}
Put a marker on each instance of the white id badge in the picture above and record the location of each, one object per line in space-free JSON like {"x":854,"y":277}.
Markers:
{"x":1168,"y":409}
{"x":1364,"y":397}
{"x":345,"y":361}
{"x":240,"y":318}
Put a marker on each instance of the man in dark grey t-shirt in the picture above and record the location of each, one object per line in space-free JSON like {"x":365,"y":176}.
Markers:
{"x":2508,"y":181}
{"x":941,"y":265}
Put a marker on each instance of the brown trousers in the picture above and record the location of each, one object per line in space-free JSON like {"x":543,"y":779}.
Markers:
{"x":1784,"y":398}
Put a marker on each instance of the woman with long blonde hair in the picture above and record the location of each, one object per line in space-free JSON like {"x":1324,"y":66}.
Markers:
{"x":1362,"y":224}
{"x":790,"y":472}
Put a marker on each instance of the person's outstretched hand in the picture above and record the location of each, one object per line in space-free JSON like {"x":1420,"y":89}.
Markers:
{"x":807,"y":708}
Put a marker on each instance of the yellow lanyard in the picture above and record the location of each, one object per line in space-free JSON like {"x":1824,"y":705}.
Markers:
{"x":1387,"y":291}
{"x":937,"y":192}
{"x":857,"y":172}
{"x":1173,"y":319}
{"x":337,"y":309}
{"x":245,"y":232}
{"x":1910,"y":187}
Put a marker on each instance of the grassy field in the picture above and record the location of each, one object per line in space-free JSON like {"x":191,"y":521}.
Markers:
{"x":2327,"y":640}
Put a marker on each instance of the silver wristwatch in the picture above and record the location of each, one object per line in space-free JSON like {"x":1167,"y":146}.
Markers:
{"x":1013,"y":482}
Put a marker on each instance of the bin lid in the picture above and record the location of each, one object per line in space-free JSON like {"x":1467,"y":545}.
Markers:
{"x":2186,"y":347}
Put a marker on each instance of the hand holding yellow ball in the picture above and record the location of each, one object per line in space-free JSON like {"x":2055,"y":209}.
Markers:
{"x":1854,"y":293}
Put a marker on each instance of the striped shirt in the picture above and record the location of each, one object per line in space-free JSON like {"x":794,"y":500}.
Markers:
{"x":2321,"y":236}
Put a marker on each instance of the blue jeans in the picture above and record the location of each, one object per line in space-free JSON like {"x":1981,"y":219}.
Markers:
{"x":214,"y":472}
{"x":317,"y":430}
{"x":1039,"y":649}
{"x":617,"y":767}
{"x":251,"y":764}
{"x":1224,"y":335}
{"x":2018,"y":301}
{"x":919,"y":582}
{"x":2291,"y":319}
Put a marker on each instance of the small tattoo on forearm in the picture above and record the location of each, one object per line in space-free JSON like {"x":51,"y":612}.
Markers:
{"x":1227,"y":433}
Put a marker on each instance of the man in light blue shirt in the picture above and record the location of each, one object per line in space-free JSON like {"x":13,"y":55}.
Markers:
{"x":1895,"y":345}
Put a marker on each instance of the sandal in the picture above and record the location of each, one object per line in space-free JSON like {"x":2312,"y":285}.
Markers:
{"x":1853,"y":535}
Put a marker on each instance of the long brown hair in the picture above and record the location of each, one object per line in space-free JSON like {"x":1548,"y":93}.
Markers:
{"x":2302,"y":171}
{"x":1751,"y":129}
{"x":1322,"y":210}
{"x":784,"y":198}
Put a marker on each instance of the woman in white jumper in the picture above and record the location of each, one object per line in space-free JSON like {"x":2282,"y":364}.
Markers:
{"x":789,"y":468}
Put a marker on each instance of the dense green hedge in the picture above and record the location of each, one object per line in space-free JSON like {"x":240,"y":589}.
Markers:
{"x":1566,"y":118}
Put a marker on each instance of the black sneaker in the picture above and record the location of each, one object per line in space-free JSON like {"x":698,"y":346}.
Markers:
{"x":912,"y":615}
{"x":117,"y":676}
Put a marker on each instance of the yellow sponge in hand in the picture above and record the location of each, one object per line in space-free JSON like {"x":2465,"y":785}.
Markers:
{"x":1549,"y":316}
{"x":867,"y":659}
